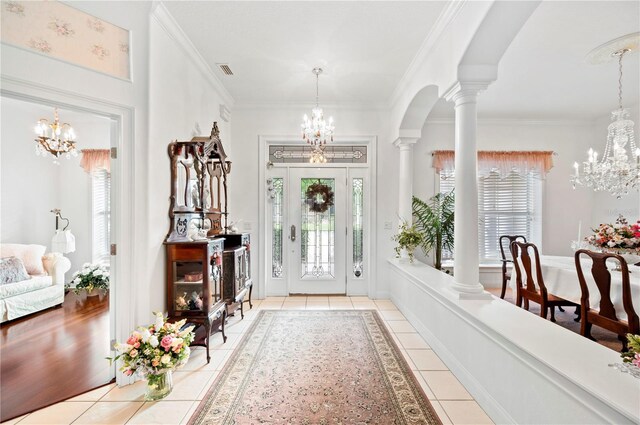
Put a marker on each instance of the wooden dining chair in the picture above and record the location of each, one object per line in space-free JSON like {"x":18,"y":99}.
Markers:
{"x":529,"y":283}
{"x":506,"y":271}
{"x":606,"y":316}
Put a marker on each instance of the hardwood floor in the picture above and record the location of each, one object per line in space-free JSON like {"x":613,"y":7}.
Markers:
{"x":54,"y":355}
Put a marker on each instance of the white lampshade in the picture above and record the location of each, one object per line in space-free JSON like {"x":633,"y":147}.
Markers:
{"x":63,"y":241}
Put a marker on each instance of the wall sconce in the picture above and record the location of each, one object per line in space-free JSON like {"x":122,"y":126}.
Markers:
{"x":63,"y":240}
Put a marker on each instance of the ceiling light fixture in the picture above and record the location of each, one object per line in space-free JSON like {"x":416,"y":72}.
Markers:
{"x":315,"y":130}
{"x":54,"y":138}
{"x":619,"y":169}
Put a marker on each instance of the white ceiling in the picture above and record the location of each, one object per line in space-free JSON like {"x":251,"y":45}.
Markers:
{"x":364,"y":47}
{"x":544,"y":75}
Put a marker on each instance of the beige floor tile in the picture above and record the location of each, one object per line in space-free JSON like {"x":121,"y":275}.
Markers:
{"x":208,"y":386}
{"x":217,"y":344}
{"x":465,"y":412}
{"x":218,"y":360}
{"x":14,"y":420}
{"x":385,"y":305}
{"x":341,"y":306}
{"x":133,"y":392}
{"x":401,"y":326}
{"x":318,"y":307}
{"x":190,"y":413}
{"x":441,"y":413}
{"x":294,"y":306}
{"x":426,"y":360}
{"x":412,"y":340}
{"x":161,"y":412}
{"x":60,"y":413}
{"x":187,"y":385}
{"x":364,"y":305}
{"x":360,"y":299}
{"x":410,"y":362}
{"x":296,"y":300}
{"x":392,"y":315}
{"x":445,"y":385}
{"x":94,"y":395}
{"x":275,"y":305}
{"x":339,"y":298}
{"x":312,"y":299}
{"x":271,"y":299}
{"x":109,"y":413}
{"x":237,"y":327}
{"x":424,"y":386}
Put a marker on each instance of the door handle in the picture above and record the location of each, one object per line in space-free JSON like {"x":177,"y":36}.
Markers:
{"x":293,"y":233}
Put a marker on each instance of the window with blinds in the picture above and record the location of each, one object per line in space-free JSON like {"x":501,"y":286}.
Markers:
{"x":101,"y":216}
{"x":506,"y":206}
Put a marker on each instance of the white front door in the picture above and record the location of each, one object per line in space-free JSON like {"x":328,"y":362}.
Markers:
{"x":317,"y":240}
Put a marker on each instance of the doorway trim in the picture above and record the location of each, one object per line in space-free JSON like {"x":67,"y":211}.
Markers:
{"x":263,"y":159}
{"x":122,"y":314}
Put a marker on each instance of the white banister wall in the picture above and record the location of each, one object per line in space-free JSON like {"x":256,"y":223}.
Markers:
{"x":519,"y":367}
{"x":467,"y":277}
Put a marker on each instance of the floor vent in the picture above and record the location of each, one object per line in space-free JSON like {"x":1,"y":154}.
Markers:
{"x":225,"y":69}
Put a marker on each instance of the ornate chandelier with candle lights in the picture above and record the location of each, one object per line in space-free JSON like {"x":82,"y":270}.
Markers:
{"x":315,"y":130}
{"x":618,"y":171}
{"x":54,"y":138}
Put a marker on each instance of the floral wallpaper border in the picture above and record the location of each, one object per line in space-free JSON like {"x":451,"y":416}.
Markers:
{"x":63,"y":32}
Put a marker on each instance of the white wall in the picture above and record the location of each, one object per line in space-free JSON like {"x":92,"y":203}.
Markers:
{"x":251,"y":122}
{"x":33,"y":185}
{"x":563,"y":207}
{"x":182,"y":103}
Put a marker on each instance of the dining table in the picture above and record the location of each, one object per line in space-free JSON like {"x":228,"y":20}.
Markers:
{"x":561,"y":279}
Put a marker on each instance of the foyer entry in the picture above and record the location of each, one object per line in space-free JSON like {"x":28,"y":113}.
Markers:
{"x":317,"y":249}
{"x":317,"y":244}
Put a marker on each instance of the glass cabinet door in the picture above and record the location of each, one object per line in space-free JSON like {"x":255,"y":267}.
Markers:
{"x":188,"y":286}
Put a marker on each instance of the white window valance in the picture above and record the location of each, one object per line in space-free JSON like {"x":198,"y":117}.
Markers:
{"x":96,"y":159}
{"x":501,"y":162}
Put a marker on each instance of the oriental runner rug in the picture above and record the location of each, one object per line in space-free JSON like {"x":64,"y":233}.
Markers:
{"x":316,"y":367}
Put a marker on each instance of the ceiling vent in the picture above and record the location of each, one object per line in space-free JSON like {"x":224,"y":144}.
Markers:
{"x":225,"y":69}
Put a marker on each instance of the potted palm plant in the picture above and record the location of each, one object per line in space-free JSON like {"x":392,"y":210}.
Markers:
{"x":435,"y":219}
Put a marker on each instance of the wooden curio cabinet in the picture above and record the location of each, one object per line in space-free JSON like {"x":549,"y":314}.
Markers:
{"x":194,"y":285}
{"x":245,"y":286}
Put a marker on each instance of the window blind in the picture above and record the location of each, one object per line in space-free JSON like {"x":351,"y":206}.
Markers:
{"x":506,"y":206}
{"x":101,"y":216}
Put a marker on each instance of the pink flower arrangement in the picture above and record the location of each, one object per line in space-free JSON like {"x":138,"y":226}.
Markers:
{"x":620,"y":235}
{"x":155,"y":349}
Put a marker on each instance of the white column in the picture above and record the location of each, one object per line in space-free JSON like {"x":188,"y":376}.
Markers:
{"x":466,"y":263}
{"x":405,"y":172}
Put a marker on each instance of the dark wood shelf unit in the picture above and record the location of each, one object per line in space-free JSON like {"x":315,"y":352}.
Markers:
{"x":233,"y":240}
{"x":201,"y":302}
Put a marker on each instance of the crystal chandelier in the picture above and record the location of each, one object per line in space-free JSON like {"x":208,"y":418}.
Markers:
{"x":618,"y":170}
{"x":315,"y":130}
{"x":54,"y":138}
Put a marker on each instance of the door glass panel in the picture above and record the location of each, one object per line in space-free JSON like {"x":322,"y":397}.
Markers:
{"x":357,"y":224}
{"x":276,"y":237}
{"x":317,"y":235}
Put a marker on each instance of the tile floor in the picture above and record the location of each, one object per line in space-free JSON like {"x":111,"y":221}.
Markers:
{"x":113,"y":405}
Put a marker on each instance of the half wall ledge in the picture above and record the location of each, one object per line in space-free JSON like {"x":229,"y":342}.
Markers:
{"x":519,"y":367}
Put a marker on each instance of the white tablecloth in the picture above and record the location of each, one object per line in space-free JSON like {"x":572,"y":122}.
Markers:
{"x":561,"y":279}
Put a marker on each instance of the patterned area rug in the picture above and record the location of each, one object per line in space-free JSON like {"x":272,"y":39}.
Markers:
{"x":316,"y":367}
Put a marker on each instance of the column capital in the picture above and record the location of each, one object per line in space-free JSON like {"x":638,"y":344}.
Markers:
{"x":465,"y":91}
{"x":407,"y":138}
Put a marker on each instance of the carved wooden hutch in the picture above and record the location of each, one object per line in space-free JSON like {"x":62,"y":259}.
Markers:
{"x":198,"y":206}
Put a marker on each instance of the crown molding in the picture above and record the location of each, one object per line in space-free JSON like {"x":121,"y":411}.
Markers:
{"x":515,"y":121}
{"x":164,"y":18}
{"x":362,"y":106}
{"x":446,"y":17}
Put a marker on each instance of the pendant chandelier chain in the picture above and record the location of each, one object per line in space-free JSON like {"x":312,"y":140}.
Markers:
{"x":620,"y":54}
